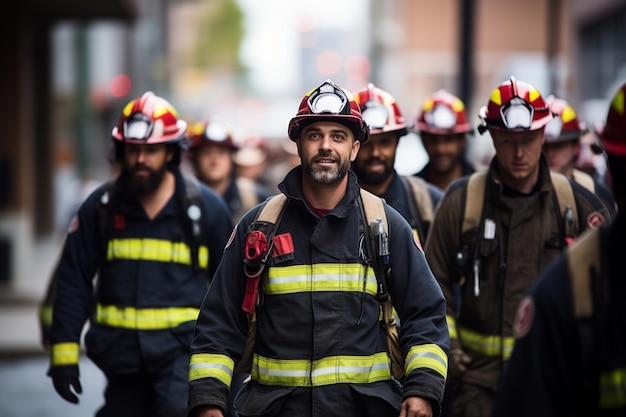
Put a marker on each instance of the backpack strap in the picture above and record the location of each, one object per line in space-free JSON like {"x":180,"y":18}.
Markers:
{"x":106,"y":211}
{"x":422,"y":198}
{"x":584,"y":179}
{"x":584,"y":264}
{"x":192,"y":217}
{"x":474,"y":201}
{"x":420,"y":205}
{"x":583,"y":260}
{"x":374,"y":208}
{"x":567,"y":204}
{"x":247,"y":193}
{"x":376,"y":231}
{"x":269,"y":215}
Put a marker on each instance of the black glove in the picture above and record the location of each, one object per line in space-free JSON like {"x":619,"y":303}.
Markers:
{"x":63,"y":386}
{"x":457,"y":365}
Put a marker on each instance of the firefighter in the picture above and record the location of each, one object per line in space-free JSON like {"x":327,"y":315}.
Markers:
{"x":319,"y":348}
{"x":484,"y":270}
{"x":562,"y":148}
{"x":154,"y":237}
{"x":570,"y":328}
{"x":443,"y":127}
{"x":413,"y":197}
{"x":211,"y":152}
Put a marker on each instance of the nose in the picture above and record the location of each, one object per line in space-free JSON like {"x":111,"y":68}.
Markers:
{"x":325,"y":142}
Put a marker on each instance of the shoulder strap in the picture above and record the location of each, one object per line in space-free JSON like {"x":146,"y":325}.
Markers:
{"x":106,"y":210}
{"x":474,"y":198}
{"x":373,"y":208}
{"x":421,"y":197}
{"x":584,"y":179}
{"x":583,"y":260}
{"x":269,"y":214}
{"x":564,"y":194}
{"x":584,"y":264}
{"x":248,"y":194}
{"x":192,"y":217}
{"x":272,"y":208}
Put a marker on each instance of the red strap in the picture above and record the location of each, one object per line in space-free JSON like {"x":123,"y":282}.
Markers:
{"x":252,"y":293}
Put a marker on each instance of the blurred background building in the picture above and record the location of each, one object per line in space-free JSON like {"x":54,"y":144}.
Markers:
{"x":69,"y":66}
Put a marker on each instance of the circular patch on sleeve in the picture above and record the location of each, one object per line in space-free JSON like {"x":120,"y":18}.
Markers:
{"x":417,"y":242}
{"x":73,"y":224}
{"x":595,"y":219}
{"x":524,"y":317}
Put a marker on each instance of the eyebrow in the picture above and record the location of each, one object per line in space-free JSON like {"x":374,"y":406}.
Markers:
{"x":333,"y":130}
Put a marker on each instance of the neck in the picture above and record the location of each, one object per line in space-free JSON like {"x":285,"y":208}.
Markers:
{"x":443,"y":179}
{"x":153,"y":203}
{"x":219,"y":186}
{"x":324,"y":196}
{"x":521,"y":185}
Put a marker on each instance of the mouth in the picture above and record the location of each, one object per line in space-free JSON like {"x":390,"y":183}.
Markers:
{"x":376,"y":166}
{"x":325,"y":161}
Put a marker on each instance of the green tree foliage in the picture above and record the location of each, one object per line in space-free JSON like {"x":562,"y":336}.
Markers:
{"x":219,"y":37}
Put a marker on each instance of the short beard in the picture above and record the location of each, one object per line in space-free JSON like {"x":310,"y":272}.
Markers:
{"x":142,"y":186}
{"x":327,"y":176}
{"x":367,"y":178}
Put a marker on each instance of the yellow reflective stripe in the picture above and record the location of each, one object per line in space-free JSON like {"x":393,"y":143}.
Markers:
{"x":145,"y":318}
{"x":490,"y":345}
{"x":207,"y":365}
{"x":452,"y":327}
{"x":64,"y":354}
{"x":319,"y":277}
{"x":613,"y":389}
{"x":155,"y":250}
{"x":325,"y":371}
{"x":428,"y":356}
{"x":45,"y":315}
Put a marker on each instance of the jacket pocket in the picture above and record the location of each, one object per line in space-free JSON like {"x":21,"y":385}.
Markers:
{"x":254,"y":400}
{"x":380,"y":399}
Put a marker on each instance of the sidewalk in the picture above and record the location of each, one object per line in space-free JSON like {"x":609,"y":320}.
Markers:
{"x":19,"y":304}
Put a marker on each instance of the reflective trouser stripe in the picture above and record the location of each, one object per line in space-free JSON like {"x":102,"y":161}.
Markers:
{"x":155,"y":250}
{"x":428,"y":356}
{"x":325,"y":371}
{"x":489,"y":345}
{"x":207,"y":365}
{"x":145,"y":318}
{"x":64,"y":354}
{"x":613,"y":389}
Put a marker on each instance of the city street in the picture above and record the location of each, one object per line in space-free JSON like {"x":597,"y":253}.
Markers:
{"x":26,"y":391}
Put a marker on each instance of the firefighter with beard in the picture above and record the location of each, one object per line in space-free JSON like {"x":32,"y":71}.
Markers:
{"x":135,"y":234}
{"x":413,"y":197}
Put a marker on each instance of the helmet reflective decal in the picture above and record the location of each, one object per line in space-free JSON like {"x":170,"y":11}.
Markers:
{"x":328,"y":99}
{"x":375,"y":114}
{"x":216,"y":132}
{"x":517,"y":114}
{"x":441,"y":117}
{"x":554,"y":128}
{"x":138,"y":126}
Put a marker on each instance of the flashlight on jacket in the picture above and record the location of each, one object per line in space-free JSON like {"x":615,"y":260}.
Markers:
{"x":380,"y":239}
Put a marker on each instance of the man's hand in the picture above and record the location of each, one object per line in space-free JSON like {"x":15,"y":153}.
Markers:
{"x":416,"y":407}
{"x":63,"y":386}
{"x":457,"y":365}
